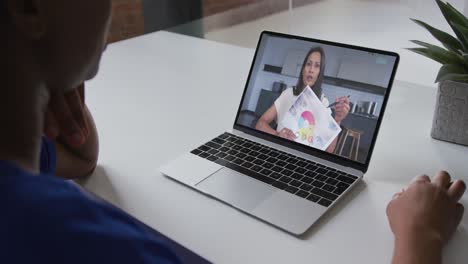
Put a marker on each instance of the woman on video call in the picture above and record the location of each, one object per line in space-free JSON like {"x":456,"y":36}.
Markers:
{"x":312,"y":72}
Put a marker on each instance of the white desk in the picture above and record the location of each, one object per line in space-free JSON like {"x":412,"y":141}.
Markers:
{"x":162,"y":94}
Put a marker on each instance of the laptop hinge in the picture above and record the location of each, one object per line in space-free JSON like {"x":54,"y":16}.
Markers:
{"x":327,"y":163}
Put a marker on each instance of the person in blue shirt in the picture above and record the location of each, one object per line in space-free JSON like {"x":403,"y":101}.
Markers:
{"x":51,"y":48}
{"x":48,"y":49}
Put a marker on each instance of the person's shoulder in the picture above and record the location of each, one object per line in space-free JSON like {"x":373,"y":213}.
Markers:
{"x":287,"y":93}
{"x":52,"y":200}
{"x":43,"y":196}
{"x":53,"y":217}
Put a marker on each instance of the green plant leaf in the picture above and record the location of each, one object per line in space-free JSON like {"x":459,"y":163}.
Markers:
{"x":446,"y":39}
{"x":463,"y":30}
{"x":440,"y":55}
{"x":451,"y":72}
{"x":465,"y":57}
{"x":428,"y":45}
{"x":459,"y":15}
{"x":455,"y":57}
{"x":454,"y":17}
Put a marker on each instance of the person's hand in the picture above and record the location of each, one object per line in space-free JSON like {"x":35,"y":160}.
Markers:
{"x":65,"y":117}
{"x":342,"y":108}
{"x":427,"y":209}
{"x":287,"y":134}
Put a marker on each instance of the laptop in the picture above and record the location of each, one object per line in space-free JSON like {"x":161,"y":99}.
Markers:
{"x":303,"y":135}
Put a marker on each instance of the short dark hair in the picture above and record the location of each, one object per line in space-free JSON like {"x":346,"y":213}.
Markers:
{"x":318,"y":84}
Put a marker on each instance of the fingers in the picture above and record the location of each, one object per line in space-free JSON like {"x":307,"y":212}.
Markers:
{"x":283,"y":134}
{"x":459,"y":211}
{"x":396,"y":195}
{"x":51,"y":127}
{"x":69,"y":128}
{"x":290,"y":134}
{"x":341,"y":111}
{"x":343,"y":105}
{"x":442,"y":179}
{"x":342,"y":108}
{"x":456,"y":190}
{"x":421,"y":178}
{"x":81,"y":92}
{"x":76,"y":107}
{"x":343,"y":100}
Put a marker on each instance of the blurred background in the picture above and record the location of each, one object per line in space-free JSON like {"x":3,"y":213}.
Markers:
{"x":136,"y":17}
{"x":222,"y":18}
{"x":381,"y":24}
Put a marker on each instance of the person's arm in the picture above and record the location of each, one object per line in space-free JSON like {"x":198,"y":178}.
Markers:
{"x":263,"y":124}
{"x":80,"y":161}
{"x":341,"y":112}
{"x":417,"y":247}
{"x":332,"y":146}
{"x":424,"y":217}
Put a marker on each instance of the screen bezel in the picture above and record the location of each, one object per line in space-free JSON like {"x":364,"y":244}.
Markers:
{"x":300,"y":147}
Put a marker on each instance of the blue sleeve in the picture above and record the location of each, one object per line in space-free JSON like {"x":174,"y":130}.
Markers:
{"x":60,"y":224}
{"x":48,"y":156}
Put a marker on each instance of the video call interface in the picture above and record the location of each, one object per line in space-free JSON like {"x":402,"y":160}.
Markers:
{"x":322,"y":96}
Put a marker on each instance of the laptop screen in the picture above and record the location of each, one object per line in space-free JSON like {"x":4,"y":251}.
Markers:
{"x":322,"y":95}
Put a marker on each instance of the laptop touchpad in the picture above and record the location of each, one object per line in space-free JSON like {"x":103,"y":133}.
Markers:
{"x":237,"y":189}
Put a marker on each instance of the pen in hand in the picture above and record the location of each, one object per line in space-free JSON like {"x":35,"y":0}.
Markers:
{"x":335,"y":103}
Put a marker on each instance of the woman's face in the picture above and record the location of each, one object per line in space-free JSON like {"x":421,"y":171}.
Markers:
{"x":311,"y":70}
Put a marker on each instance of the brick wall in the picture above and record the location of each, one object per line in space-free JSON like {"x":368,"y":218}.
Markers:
{"x":127,"y":20}
{"x":211,"y":7}
{"x":226,"y":13}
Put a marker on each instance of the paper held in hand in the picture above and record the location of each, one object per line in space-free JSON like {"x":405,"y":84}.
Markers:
{"x":310,"y":121}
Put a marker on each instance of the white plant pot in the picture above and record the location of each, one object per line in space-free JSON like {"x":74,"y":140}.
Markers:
{"x":451,"y":113}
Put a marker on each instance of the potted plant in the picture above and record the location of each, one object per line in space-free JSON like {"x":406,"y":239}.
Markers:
{"x":451,"y":113}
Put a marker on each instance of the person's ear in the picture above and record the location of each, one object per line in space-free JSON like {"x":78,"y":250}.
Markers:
{"x":28,"y":17}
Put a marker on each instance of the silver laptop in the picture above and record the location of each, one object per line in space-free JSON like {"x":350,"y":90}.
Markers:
{"x":303,"y":135}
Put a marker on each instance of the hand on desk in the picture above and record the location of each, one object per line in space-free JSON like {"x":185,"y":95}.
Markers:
{"x":424,"y":217}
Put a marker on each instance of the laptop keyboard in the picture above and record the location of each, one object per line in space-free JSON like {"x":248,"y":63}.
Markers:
{"x":304,"y":178}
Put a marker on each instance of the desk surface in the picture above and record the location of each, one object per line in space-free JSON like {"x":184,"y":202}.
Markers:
{"x":162,"y":94}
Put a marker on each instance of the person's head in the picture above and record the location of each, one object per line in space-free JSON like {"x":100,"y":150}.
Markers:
{"x":312,"y":72}
{"x":60,"y":41}
{"x":2,"y":11}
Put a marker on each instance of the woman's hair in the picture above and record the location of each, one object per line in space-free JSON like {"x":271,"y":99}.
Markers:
{"x":318,"y":83}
